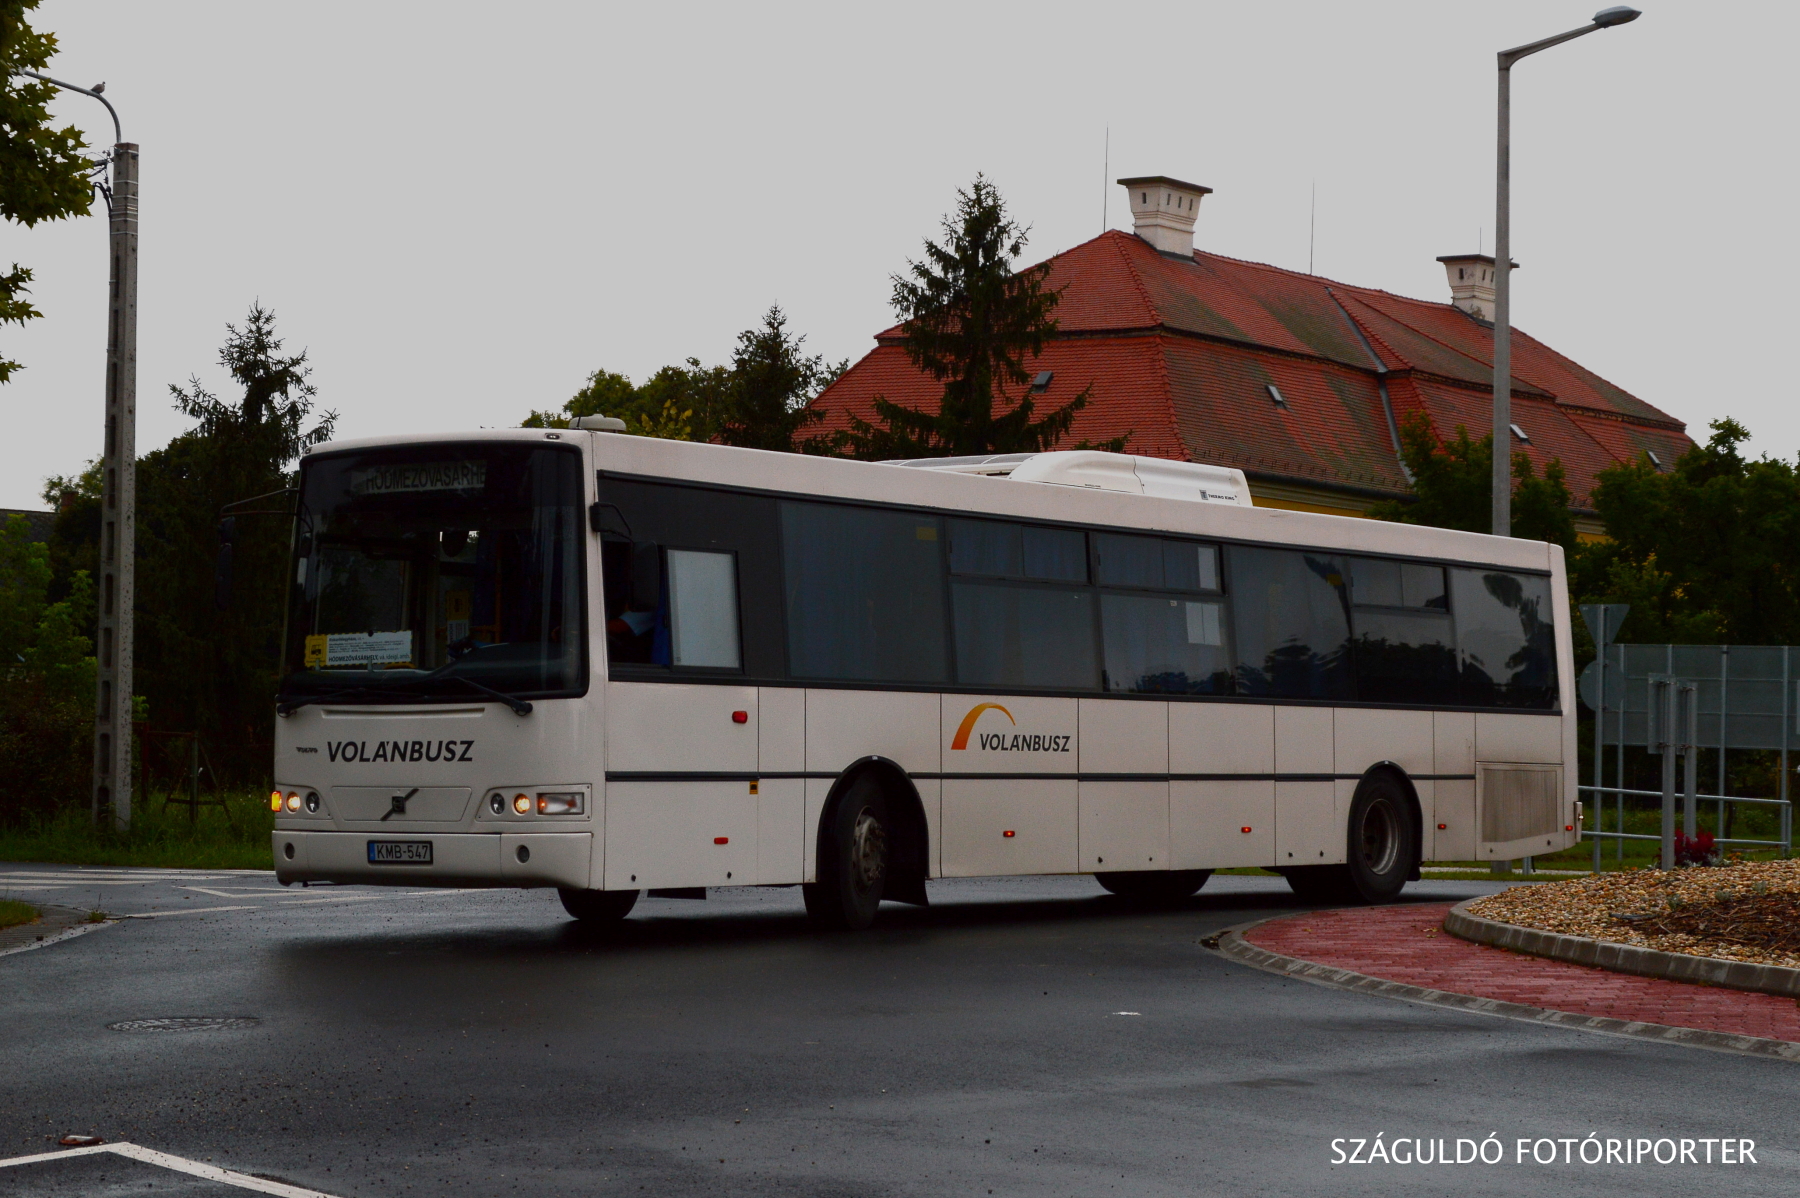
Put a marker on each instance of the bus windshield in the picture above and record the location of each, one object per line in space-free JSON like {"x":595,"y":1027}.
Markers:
{"x":440,"y":571}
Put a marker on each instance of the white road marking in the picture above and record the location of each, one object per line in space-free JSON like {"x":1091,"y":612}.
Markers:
{"x":188,"y":911}
{"x":209,"y":890}
{"x":150,"y":1156}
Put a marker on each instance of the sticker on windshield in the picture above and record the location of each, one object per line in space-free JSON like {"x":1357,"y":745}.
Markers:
{"x":426,"y":476}
{"x":359,"y":649}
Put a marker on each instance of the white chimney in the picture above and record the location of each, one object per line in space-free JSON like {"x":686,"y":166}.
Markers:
{"x":1163,"y":211}
{"x":1472,"y":283}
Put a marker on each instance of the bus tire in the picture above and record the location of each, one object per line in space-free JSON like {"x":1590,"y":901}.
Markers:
{"x":1381,"y":839}
{"x":598,"y":906}
{"x":1155,"y":886}
{"x":853,"y":859}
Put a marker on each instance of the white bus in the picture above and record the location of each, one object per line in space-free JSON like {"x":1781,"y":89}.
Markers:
{"x":613,"y":664}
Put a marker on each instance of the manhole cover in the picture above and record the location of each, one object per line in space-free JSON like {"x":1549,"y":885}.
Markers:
{"x":185,"y":1023}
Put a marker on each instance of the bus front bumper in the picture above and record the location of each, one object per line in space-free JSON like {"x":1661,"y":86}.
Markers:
{"x":561,"y":859}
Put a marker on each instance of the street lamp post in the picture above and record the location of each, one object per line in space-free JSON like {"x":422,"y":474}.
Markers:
{"x":1606,"y":18}
{"x":118,"y":500}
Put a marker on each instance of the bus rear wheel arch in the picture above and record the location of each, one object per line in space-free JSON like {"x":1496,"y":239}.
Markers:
{"x":1382,"y":846}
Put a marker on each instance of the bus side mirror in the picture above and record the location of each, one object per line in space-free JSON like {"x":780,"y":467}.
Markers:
{"x":222,"y":569}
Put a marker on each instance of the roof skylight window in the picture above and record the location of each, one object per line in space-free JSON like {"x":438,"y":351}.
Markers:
{"x":1654,"y":460}
{"x":1275,"y":394}
{"x":1519,"y":433}
{"x":1041,"y":382}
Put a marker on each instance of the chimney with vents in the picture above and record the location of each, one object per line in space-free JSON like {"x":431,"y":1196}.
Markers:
{"x":1163,"y":211}
{"x":1472,"y":283}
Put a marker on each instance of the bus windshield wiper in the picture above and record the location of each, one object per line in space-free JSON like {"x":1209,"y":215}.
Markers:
{"x":519,"y":706}
{"x":289,"y":706}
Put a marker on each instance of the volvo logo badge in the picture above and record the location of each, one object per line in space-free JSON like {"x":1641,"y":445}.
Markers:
{"x":399,"y":804}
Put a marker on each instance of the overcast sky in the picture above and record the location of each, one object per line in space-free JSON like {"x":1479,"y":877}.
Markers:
{"x":461,"y":210}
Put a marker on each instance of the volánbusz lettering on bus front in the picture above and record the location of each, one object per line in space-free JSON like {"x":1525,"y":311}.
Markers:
{"x":400,"y":750}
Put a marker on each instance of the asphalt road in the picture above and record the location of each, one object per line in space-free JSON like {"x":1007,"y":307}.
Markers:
{"x":1019,"y":1037}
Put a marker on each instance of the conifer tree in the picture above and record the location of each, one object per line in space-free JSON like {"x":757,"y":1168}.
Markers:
{"x":973,"y":324}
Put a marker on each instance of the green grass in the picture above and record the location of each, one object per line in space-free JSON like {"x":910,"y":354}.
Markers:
{"x":160,"y":837}
{"x":13,"y":914}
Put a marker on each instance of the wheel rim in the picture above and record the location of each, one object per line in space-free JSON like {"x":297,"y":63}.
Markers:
{"x":1380,"y":837}
{"x":868,"y":850}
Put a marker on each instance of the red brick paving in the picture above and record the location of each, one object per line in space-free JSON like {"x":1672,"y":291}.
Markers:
{"x":1408,"y":944}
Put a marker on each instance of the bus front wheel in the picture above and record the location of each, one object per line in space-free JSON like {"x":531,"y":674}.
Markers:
{"x":853,"y":860}
{"x":1155,"y":887}
{"x":598,"y":906}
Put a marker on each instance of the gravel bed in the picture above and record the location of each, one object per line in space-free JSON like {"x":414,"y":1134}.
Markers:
{"x":1749,"y":911}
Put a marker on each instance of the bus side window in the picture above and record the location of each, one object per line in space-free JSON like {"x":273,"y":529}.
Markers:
{"x":632,"y":577}
{"x":703,"y":609}
{"x":1292,"y":622}
{"x":1505,"y":639}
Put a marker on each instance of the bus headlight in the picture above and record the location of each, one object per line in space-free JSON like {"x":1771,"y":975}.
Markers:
{"x":522,"y":804}
{"x":293,"y":800}
{"x":560,"y":803}
{"x":497,"y":803}
{"x":312,"y":802}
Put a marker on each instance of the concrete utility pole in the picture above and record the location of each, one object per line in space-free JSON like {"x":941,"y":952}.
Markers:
{"x":118,"y":499}
{"x":1606,"y":18}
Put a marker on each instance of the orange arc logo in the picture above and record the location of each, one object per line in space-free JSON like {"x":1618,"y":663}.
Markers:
{"x":962,"y":733}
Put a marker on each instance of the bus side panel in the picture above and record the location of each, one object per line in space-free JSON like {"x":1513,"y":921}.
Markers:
{"x":1453,"y":733}
{"x":1124,"y":825}
{"x":1207,"y":818}
{"x":1309,"y":830}
{"x":1366,"y":735}
{"x":667,"y":726}
{"x":1502,"y":736}
{"x":680,"y":834}
{"x":781,"y":802}
{"x":1009,"y":826}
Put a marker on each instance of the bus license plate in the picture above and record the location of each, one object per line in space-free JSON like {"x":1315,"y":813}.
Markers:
{"x":399,"y":852}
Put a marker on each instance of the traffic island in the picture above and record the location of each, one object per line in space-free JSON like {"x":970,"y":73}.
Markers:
{"x":1404,"y":952}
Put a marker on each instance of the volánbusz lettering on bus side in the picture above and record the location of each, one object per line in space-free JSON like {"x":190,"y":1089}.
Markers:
{"x":1024,"y":742}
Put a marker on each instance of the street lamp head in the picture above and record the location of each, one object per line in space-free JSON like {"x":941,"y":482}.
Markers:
{"x":1618,"y":14}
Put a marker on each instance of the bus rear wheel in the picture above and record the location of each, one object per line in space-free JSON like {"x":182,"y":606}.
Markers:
{"x":598,"y":906}
{"x":1155,"y":886}
{"x":1381,"y":847}
{"x":853,"y":860}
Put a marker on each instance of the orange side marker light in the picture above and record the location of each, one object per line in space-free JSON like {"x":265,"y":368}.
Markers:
{"x":1245,"y":828}
{"x":1008,"y":832}
{"x":1443,"y":827}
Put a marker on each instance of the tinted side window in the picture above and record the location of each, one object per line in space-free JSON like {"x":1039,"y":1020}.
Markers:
{"x":988,"y":547}
{"x":1022,"y":636}
{"x":1155,"y":563}
{"x":865,"y":594}
{"x":1292,"y":615}
{"x":1404,"y":657}
{"x":1403,"y":649}
{"x":1505,"y":638}
{"x":1165,"y":644}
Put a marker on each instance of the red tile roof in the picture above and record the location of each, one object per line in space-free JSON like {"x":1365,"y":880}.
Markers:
{"x":1180,"y":352}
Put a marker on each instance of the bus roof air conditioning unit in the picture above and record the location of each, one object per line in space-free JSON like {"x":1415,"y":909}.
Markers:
{"x":1098,"y":471}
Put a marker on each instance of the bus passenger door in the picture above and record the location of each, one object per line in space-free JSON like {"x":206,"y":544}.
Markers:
{"x":681,"y":802}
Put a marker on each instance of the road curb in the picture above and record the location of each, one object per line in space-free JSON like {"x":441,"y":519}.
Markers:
{"x":1231,"y":945}
{"x":1623,"y":958}
{"x":56,"y":925}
